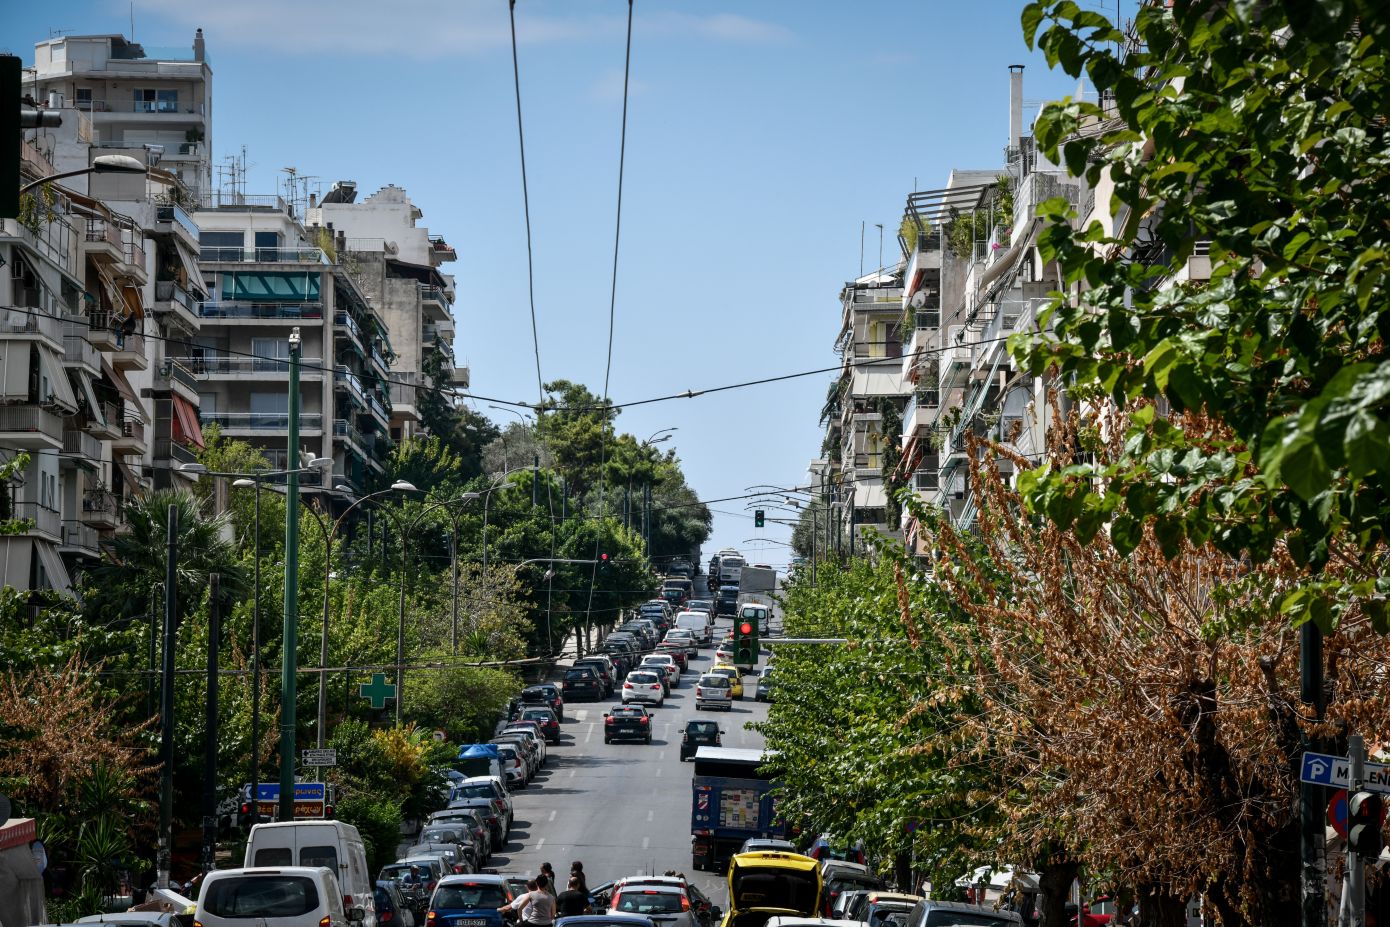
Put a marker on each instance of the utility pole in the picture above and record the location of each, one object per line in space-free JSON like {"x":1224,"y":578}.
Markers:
{"x":256,"y":670}
{"x":166,"y":702}
{"x":210,"y":726}
{"x":289,"y":645}
{"x":535,"y":480}
{"x":1311,"y":798}
{"x":454,"y":563}
{"x":1352,"y":912}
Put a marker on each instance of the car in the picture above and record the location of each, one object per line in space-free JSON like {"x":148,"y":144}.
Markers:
{"x":770,"y":844}
{"x":674,"y":596}
{"x":667,"y":905}
{"x":603,"y":665}
{"x":608,"y":919}
{"x":469,"y":901}
{"x":547,"y":695}
{"x":698,"y":734}
{"x":712,"y":690}
{"x":393,"y":908}
{"x":700,"y":605}
{"x":668,"y":665}
{"x":582,"y":682}
{"x":726,"y":602}
{"x":514,"y":765}
{"x":276,"y":896}
{"x":490,"y":787}
{"x":644,"y":686}
{"x":677,"y":651}
{"x":842,"y":876}
{"x":416,"y":879}
{"x":767,"y":884}
{"x":531,"y":747}
{"x":735,"y":676}
{"x":479,"y":818}
{"x":684,"y":638}
{"x":764,"y":691}
{"x":930,"y":913}
{"x":882,"y":909}
{"x":545,"y":718}
{"x":644,"y":635}
{"x":847,"y":901}
{"x":629,"y":722}
{"x":697,"y":622}
{"x":532,"y":729}
{"x":725,"y":653}
{"x":450,"y":854}
{"x":469,"y":834}
{"x":700,"y":905}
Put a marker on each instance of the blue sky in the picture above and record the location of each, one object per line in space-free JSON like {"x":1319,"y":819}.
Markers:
{"x":760,"y":136}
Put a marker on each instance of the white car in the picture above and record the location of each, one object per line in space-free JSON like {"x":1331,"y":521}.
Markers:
{"x":725,"y":653}
{"x":714,"y":691}
{"x":644,"y":686}
{"x":667,"y":664}
{"x":284,"y":896}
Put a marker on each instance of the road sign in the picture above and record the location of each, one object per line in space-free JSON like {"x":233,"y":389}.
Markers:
{"x":378,"y":690}
{"x":1337,"y":812}
{"x":439,"y":737}
{"x":1335,"y":771}
{"x":303,"y":791}
{"x":325,"y":757}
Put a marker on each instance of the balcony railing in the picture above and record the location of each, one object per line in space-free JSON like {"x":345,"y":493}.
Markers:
{"x":275,"y":255}
{"x":342,"y":428}
{"x":31,"y":323}
{"x":429,"y":291}
{"x":81,"y":444}
{"x":345,"y":320}
{"x":43,"y":519}
{"x":80,"y":536}
{"x":261,"y":421}
{"x":351,"y":381}
{"x":243,"y":310}
{"x":166,"y":449}
{"x":176,"y":215}
{"x":30,"y":420}
{"x":380,"y":360}
{"x":168,"y":291}
{"x":310,"y":367}
{"x":101,"y":506}
{"x":131,"y":343}
{"x":134,"y":250}
{"x":378,"y":408}
{"x":175,"y":372}
{"x":154,"y":107}
{"x":134,"y":429}
{"x":99,"y":230}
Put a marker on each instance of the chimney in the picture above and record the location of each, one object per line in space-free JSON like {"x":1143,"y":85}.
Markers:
{"x":1015,"y":106}
{"x":199,"y":49}
{"x":313,"y":200}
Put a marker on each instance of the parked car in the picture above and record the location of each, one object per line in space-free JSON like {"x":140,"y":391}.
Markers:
{"x":514,"y":765}
{"x":712,"y":690}
{"x":547,"y":695}
{"x":283,"y":896}
{"x":764,"y":690}
{"x":470,"y":836}
{"x":473,"y":816}
{"x":603,"y":665}
{"x":881,"y":909}
{"x":929,"y":913}
{"x":697,"y":622}
{"x":450,"y":854}
{"x":769,"y":844}
{"x":841,"y":876}
{"x":334,"y":844}
{"x":393,"y":908}
{"x":416,"y":881}
{"x":582,"y":682}
{"x":644,"y":686}
{"x":726,"y":602}
{"x":608,"y":919}
{"x":492,"y":788}
{"x":698,"y":734}
{"x":668,"y":905}
{"x":532,"y":730}
{"x":471,"y":900}
{"x":549,"y":724}
{"x":772,"y":884}
{"x":630,"y":722}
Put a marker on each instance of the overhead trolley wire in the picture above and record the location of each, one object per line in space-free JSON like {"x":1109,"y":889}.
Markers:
{"x":526,"y":206}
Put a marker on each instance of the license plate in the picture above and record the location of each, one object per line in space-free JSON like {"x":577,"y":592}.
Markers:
{"x":470,"y":922}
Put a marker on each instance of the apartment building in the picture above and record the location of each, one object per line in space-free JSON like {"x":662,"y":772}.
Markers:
{"x":268,"y":276}
{"x":974,"y":277}
{"x":152,"y":100}
{"x":396,"y":263}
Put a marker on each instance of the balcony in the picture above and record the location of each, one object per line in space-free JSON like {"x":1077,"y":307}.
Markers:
{"x":79,"y":352}
{"x":173,"y":220}
{"x":81,"y":447}
{"x":42,"y":519}
{"x":433,"y":301}
{"x":108,"y":426}
{"x":18,"y":325}
{"x":171,"y":451}
{"x":379,"y":411}
{"x":920,"y":413}
{"x":955,"y":364}
{"x":342,"y":428}
{"x":345,"y":379}
{"x":130,"y":352}
{"x":348,"y":325}
{"x":172,"y":298}
{"x":235,"y":368}
{"x":173,"y":376}
{"x":867,"y":464}
{"x":442,"y":250}
{"x":142,"y":107}
{"x":429,"y":334}
{"x":103,"y":241}
{"x":261,"y":422}
{"x":379,"y":362}
{"x":79,"y":539}
{"x":100,"y":509}
{"x":131,"y":439}
{"x":404,"y":402}
{"x":133,"y":251}
{"x":260,"y":312}
{"x":30,"y":427}
{"x":276,"y":255}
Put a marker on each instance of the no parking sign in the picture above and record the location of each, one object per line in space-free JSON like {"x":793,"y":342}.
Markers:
{"x":1337,"y":811}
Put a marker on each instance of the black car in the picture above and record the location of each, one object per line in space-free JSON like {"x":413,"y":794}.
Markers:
{"x":393,"y":909}
{"x":630,"y":721}
{"x":582,"y":682}
{"x":547,"y":695}
{"x":600,"y":666}
{"x":726,"y":603}
{"x":699,"y":734}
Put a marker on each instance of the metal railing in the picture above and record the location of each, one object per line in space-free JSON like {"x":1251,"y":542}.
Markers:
{"x":134,"y":250}
{"x":134,"y":429}
{"x":42,"y":518}
{"x":31,"y":323}
{"x":80,"y":536}
{"x":350,"y":380}
{"x":380,"y":360}
{"x":167,"y":449}
{"x":175,"y":372}
{"x":276,"y":255}
{"x":235,"y":254}
{"x":81,"y":444}
{"x":342,"y":428}
{"x":345,"y":319}
{"x":100,"y":230}
{"x":151,"y":107}
{"x":244,"y":310}
{"x":261,"y":421}
{"x":99,"y":501}
{"x":378,"y":409}
{"x":31,"y":419}
{"x":226,"y":199}
{"x":168,"y":291}
{"x":429,"y":291}
{"x":403,"y":388}
{"x":130,"y":343}
{"x":174,"y":213}
{"x":311,"y":367}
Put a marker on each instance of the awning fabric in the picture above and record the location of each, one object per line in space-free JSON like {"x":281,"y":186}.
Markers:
{"x":267,"y":286}
{"x":58,"y":579}
{"x":113,"y":292}
{"x":15,"y":556}
{"x":84,"y":388}
{"x":14,"y":371}
{"x":189,"y":260}
{"x":133,"y":303}
{"x":870,"y":496}
{"x":877,"y":382}
{"x":123,"y":387}
{"x":127,"y":475}
{"x":51,"y":363}
{"x":186,"y":427}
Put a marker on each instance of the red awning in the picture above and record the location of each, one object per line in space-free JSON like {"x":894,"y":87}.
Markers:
{"x":186,"y":427}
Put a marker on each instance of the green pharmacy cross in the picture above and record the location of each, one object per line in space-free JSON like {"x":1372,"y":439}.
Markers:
{"x":378,"y":690}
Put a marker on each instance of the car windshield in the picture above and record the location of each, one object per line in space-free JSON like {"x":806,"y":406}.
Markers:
{"x":468,"y":895}
{"x":642,"y":677}
{"x":438,"y":835}
{"x":940,"y":918}
{"x":648,"y":901}
{"x":255,"y":896}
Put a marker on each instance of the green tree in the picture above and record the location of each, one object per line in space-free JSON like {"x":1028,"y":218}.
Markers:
{"x":1255,"y":130}
{"x":576,"y":426}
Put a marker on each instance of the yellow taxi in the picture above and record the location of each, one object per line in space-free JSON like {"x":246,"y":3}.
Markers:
{"x":735,"y":677}
{"x":771,"y":884}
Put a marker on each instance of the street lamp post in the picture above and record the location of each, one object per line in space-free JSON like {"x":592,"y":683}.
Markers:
{"x":101,"y":164}
{"x":289,"y":646}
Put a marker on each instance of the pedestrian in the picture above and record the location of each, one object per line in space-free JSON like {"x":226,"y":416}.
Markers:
{"x":574,"y":900}
{"x":548,"y":871}
{"x":536,"y":906}
{"x":577,"y":872}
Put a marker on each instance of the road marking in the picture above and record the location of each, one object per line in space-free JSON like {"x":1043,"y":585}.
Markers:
{"x":661,"y":755}
{"x":589,"y":736}
{"x":660,"y":770}
{"x":650,"y":815}
{"x":571,"y":773}
{"x":540,"y":843}
{"x":552,"y":815}
{"x":582,"y":714}
{"x":646,"y":842}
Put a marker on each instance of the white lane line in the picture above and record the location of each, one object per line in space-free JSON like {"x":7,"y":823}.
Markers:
{"x":646,"y":842}
{"x":581,"y":715}
{"x":661,"y":755}
{"x":650,"y":815}
{"x":589,"y":736}
{"x":660,"y":771}
{"x":540,"y":843}
{"x":552,"y":815}
{"x":571,"y":773}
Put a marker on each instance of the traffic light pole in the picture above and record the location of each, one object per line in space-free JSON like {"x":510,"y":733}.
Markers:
{"x":289,"y":647}
{"x":1352,"y":912}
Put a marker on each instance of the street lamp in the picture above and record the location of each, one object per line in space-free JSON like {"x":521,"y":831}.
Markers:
{"x":101,"y":164}
{"x":665,"y":434}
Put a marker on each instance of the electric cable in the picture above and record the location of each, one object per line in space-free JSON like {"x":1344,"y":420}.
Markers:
{"x":526,"y":206}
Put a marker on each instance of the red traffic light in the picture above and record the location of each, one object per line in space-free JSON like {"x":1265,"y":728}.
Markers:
{"x":745,"y":628}
{"x":603,"y":557}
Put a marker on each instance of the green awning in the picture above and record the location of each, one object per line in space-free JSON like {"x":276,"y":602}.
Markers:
{"x":271,"y":287}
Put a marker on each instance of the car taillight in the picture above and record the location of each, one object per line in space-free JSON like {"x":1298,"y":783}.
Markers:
{"x":656,"y":685}
{"x":499,"y":804}
{"x":645,"y":720}
{"x":347,"y":902}
{"x":325,"y":921}
{"x":385,"y":917}
{"x":685,"y":903}
{"x":430,"y":918}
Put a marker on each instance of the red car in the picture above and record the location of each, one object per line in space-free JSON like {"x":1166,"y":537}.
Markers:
{"x":677,"y":652}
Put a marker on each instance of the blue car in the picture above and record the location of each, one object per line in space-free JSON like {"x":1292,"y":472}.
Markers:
{"x":469,"y":901}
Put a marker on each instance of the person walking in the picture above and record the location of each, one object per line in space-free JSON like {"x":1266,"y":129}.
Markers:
{"x":548,"y":871}
{"x":536,"y":906}
{"x":573,"y":900}
{"x":577,"y":872}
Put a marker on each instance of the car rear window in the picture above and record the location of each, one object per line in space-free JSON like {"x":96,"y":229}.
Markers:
{"x":468,"y":895}
{"x":714,"y":681}
{"x":728,"y":674}
{"x":252,"y":896}
{"x":439,"y":835}
{"x":575,"y":675}
{"x":648,"y":901}
{"x":622,"y":712}
{"x":270,"y":857}
{"x":642,"y":677}
{"x":476,"y":790}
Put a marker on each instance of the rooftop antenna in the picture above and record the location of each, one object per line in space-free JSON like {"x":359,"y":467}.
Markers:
{"x":132,"y":20}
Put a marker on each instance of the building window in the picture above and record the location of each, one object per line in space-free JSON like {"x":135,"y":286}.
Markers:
{"x":270,"y":410}
{"x":275,"y":351}
{"x":156,"y":101}
{"x":82,"y":97}
{"x":222,"y":246}
{"x":267,"y":246}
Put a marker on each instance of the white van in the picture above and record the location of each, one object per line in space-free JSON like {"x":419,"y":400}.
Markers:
{"x":285,"y":896}
{"x":698,"y":624}
{"x":331,"y":844}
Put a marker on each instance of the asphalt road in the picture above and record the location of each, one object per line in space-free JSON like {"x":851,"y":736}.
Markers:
{"x":622,"y":808}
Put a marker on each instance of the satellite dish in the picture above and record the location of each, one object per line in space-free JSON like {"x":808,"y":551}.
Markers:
{"x":918,"y":300}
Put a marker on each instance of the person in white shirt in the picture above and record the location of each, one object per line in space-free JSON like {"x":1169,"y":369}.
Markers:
{"x":536,"y":906}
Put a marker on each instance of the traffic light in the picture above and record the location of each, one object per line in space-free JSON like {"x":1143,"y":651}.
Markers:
{"x":746,"y":642}
{"x":1365,"y":818}
{"x":603,"y":562}
{"x":244,"y":816}
{"x":758,"y":518}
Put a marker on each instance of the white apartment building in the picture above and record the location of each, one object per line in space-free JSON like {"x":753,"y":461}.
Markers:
{"x":396,"y":263}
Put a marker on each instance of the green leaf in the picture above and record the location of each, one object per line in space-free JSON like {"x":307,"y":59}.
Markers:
{"x":1125,"y":533}
{"x":1032,"y":18}
{"x":1366,"y":444}
{"x":1303,"y":467}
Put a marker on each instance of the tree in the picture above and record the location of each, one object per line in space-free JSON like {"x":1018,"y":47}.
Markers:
{"x":516,"y":446}
{"x":464,"y":432}
{"x":576,"y":425}
{"x":1256,"y":130}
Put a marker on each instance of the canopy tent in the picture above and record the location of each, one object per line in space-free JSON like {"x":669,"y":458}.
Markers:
{"x":478,"y":751}
{"x":268,"y":286}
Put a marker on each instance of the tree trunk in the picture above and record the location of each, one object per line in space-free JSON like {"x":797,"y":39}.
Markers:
{"x":1054,"y":891}
{"x":1159,"y":907}
{"x":902,"y":872}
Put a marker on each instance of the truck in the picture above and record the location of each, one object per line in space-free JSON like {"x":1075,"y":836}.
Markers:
{"x":731,"y":801}
{"x":754,"y":580}
{"x":730,"y":569}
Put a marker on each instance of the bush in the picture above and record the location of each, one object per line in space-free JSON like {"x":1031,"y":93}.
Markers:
{"x":378,"y":819}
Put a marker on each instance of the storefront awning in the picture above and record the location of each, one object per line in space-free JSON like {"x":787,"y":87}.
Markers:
{"x":185,"y":421}
{"x":14,"y":371}
{"x":266,"y":286}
